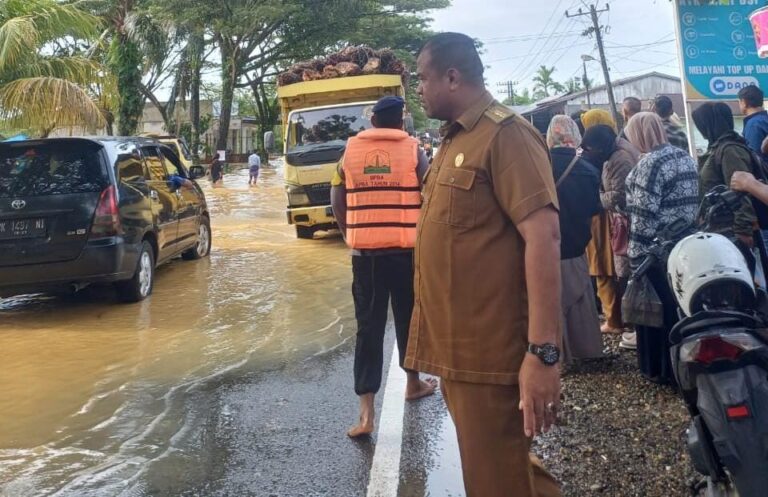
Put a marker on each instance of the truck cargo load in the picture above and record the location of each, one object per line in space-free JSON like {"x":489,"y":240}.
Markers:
{"x":321,"y":109}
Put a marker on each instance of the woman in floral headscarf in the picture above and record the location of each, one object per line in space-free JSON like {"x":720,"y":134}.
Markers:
{"x":578,"y":192}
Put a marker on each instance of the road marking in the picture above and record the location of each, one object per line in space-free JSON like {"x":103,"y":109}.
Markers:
{"x":385,"y":469}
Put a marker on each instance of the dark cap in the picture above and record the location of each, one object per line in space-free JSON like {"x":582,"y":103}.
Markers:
{"x":388,"y":103}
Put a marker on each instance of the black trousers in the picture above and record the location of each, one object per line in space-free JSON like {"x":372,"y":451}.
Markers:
{"x":374,"y":280}
{"x":653,"y":356}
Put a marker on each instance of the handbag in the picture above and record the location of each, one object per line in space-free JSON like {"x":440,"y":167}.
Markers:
{"x":641,"y":304}
{"x":619,"y":234}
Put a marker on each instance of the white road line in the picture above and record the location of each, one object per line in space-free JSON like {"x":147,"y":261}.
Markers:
{"x":385,"y":470}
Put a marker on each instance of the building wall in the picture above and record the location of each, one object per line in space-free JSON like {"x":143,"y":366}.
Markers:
{"x":645,"y":89}
{"x":242,"y":135}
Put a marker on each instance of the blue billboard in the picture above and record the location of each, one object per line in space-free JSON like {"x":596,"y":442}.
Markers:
{"x":719,"y":42}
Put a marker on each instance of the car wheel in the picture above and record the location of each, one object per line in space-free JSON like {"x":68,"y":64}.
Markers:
{"x":203,"y":246}
{"x":305,"y":232}
{"x":140,"y":286}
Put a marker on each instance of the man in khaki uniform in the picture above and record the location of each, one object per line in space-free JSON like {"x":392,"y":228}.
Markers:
{"x":487,"y":276}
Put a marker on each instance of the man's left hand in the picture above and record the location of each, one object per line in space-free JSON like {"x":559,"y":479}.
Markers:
{"x":539,"y":395}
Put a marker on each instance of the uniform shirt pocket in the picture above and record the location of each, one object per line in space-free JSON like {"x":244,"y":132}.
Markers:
{"x":454,"y":197}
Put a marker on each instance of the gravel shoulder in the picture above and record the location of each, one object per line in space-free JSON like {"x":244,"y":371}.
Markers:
{"x":620,"y":435}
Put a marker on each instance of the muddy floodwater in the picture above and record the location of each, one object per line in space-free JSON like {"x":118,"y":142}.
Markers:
{"x":93,"y":392}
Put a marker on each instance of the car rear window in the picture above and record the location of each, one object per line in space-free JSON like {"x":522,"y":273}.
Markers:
{"x":50,"y":168}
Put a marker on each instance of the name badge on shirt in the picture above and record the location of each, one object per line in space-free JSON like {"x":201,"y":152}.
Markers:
{"x":459,"y":160}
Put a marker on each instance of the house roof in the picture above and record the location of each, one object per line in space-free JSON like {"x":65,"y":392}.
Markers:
{"x":557,"y":99}
{"x":622,"y":82}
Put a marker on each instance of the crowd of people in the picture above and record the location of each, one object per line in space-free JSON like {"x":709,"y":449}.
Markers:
{"x":463,"y":246}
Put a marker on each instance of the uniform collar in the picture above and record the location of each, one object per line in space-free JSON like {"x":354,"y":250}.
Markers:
{"x":469,"y":119}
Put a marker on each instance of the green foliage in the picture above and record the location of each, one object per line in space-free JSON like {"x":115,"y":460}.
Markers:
{"x":125,"y":61}
{"x":41,"y":88}
{"x":544,"y":85}
{"x":524,"y":98}
{"x":185,"y":128}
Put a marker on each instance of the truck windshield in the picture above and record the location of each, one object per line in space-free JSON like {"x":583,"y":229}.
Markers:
{"x":315,"y":129}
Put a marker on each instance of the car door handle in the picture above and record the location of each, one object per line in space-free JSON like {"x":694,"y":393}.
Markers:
{"x":153,"y":195}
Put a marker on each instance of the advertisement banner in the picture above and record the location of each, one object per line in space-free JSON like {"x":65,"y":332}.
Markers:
{"x":724,"y":46}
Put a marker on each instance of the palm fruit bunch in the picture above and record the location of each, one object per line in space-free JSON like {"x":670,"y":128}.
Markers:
{"x":350,"y":61}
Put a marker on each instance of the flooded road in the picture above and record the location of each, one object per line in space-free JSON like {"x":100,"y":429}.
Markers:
{"x":93,"y":392}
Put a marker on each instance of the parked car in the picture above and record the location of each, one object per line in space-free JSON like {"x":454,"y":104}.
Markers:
{"x":177,"y":144}
{"x":79,"y":211}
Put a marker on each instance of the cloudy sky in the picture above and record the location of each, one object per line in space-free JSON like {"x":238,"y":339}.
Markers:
{"x":521,"y":35}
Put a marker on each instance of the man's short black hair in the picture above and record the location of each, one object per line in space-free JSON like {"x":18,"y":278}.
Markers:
{"x":663,"y":106}
{"x":752,"y":96}
{"x":633,"y":104}
{"x":391,"y":117}
{"x":455,"y":51}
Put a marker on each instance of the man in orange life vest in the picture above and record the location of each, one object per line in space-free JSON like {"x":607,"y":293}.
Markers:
{"x":376,"y":198}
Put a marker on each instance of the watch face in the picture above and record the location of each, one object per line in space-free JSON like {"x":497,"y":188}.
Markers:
{"x":549,"y":354}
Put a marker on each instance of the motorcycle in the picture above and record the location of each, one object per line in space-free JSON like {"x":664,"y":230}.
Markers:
{"x":719,"y":352}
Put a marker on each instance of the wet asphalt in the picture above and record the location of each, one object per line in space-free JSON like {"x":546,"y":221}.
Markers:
{"x":235,"y":379}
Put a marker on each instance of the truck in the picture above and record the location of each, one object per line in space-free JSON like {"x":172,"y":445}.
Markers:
{"x":318,"y":117}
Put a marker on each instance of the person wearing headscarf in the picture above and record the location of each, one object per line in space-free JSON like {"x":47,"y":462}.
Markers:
{"x":727,"y":153}
{"x":578,"y":184}
{"x":617,"y":157}
{"x":599,"y":251}
{"x":662,"y":188}
{"x":598,"y":116}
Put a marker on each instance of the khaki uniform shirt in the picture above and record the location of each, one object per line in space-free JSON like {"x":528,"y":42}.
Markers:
{"x":470,"y":319}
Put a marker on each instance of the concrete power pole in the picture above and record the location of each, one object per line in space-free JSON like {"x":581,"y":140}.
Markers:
{"x":593,"y":13}
{"x":509,"y":89}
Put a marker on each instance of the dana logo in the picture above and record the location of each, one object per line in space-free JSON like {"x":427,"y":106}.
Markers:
{"x":730,"y":85}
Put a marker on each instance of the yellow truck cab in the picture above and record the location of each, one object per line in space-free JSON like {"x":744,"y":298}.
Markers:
{"x":177,"y":144}
{"x":318,"y":117}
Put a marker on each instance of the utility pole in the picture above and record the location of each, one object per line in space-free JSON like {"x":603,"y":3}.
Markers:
{"x":509,"y":89}
{"x":598,"y":30}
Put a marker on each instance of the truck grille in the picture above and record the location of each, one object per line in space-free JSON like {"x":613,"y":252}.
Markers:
{"x":319,"y":194}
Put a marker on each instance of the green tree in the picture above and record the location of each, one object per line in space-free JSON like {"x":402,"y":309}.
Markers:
{"x":41,"y":88}
{"x":131,"y":44}
{"x":523,"y":98}
{"x":544,"y":84}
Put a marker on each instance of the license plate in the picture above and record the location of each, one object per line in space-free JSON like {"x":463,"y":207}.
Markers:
{"x":22,"y":228}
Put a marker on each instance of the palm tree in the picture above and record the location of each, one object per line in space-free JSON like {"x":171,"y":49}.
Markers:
{"x":543,"y":82}
{"x":41,"y":85}
{"x":130,"y":45}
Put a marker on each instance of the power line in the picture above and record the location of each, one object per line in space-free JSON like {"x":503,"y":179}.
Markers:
{"x":526,"y":38}
{"x":543,"y":30}
{"x":509,"y":88}
{"x":597,"y":29}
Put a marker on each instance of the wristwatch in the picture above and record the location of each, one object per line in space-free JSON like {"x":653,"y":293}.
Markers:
{"x":548,"y":353}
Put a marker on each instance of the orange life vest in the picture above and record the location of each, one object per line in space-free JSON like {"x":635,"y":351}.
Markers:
{"x":383,"y":191}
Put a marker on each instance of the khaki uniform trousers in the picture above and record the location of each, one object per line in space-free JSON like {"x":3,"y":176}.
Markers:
{"x":495,"y":453}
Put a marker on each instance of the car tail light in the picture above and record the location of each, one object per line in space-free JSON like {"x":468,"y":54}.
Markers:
{"x":738,"y":412}
{"x":106,"y":220}
{"x":717,"y":348}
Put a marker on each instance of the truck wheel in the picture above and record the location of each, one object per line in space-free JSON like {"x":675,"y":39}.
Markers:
{"x":203,"y":246}
{"x":140,"y":286}
{"x":305,"y":232}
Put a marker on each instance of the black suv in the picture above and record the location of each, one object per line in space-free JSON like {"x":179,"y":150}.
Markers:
{"x":77,"y":211}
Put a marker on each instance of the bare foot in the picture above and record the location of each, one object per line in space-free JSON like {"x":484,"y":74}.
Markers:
{"x":608,"y":330}
{"x":362,"y":429}
{"x":424,"y":388}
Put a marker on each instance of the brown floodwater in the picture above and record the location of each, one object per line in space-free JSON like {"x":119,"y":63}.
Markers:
{"x":91,"y":389}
